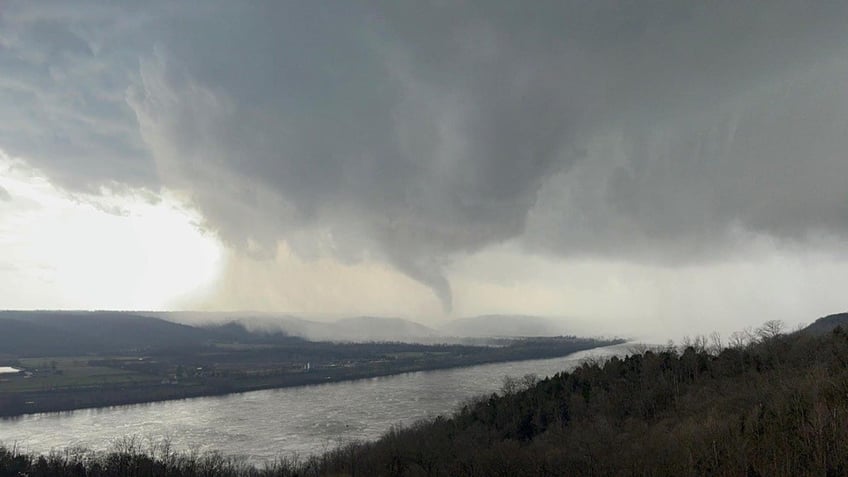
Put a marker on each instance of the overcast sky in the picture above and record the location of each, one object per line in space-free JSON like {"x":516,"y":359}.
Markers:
{"x":662,"y":166}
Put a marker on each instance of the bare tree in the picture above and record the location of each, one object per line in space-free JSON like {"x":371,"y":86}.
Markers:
{"x":716,"y":345}
{"x":771,"y":329}
{"x":739,"y":339}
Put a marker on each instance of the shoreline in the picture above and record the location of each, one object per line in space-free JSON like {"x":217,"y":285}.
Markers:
{"x":50,"y":402}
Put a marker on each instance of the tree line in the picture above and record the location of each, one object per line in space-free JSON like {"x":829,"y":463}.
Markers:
{"x":763,"y":403}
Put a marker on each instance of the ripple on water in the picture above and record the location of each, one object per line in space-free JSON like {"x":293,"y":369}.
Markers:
{"x":263,"y":425}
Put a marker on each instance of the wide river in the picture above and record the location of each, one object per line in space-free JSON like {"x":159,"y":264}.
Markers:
{"x":264,"y":425}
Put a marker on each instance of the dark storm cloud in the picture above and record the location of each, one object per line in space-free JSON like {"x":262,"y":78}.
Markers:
{"x":413,"y":132}
{"x":770,"y":161}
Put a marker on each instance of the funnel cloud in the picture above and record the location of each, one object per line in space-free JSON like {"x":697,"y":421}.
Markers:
{"x":417,"y":134}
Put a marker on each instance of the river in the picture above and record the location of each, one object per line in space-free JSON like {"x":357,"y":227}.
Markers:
{"x":264,"y":425}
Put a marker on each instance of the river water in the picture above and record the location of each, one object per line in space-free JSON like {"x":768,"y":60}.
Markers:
{"x":264,"y":425}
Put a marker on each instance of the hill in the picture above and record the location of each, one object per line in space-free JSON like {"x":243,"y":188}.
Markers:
{"x":827,"y":324}
{"x":60,"y":333}
{"x":374,"y":328}
{"x":354,"y":329}
{"x":21,"y":338}
{"x":774,"y":406}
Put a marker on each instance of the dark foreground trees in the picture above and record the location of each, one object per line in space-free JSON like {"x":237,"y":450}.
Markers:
{"x":770,"y":405}
{"x":773,"y":405}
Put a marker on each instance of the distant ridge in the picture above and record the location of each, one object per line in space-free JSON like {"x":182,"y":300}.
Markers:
{"x":377,"y":328}
{"x":31,"y":333}
{"x":827,"y":324}
{"x":353,"y":329}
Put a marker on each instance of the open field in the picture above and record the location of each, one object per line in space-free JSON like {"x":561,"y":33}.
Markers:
{"x":67,"y":373}
{"x":57,"y":383}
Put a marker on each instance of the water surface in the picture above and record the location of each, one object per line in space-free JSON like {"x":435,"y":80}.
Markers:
{"x":263,"y":425}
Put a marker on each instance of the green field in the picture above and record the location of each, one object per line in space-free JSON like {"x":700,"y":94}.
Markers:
{"x":68,"y":372}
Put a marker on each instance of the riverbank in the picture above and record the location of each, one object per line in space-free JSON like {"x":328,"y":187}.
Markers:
{"x":262,"y":426}
{"x":120,"y":381}
{"x":767,"y":407}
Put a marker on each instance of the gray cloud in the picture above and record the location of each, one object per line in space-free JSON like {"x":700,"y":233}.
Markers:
{"x":5,"y":196}
{"x":412,"y":133}
{"x":62,"y":92}
{"x":768,"y":161}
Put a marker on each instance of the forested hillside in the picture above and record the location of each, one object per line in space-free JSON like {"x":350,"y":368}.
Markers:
{"x":767,"y":404}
